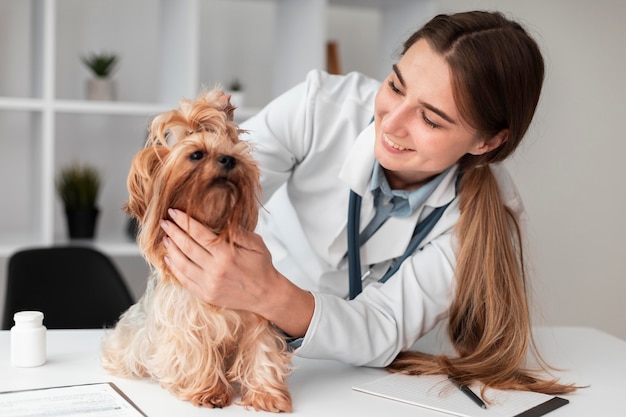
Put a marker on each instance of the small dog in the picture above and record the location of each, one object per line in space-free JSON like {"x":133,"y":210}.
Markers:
{"x":194,"y":161}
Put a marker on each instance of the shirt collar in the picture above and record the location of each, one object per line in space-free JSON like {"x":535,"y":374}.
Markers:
{"x":404,"y":202}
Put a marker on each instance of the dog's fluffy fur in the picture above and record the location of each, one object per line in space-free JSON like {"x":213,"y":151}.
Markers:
{"x":194,"y":161}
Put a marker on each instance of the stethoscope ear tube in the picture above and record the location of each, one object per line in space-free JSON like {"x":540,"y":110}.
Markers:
{"x":354,"y":256}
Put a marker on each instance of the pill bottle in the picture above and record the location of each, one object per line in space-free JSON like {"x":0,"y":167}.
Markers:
{"x":28,"y":339}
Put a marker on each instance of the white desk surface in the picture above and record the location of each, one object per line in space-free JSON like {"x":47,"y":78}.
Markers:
{"x":324,"y":388}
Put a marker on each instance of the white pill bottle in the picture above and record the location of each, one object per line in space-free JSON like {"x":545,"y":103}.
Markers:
{"x":28,"y":339}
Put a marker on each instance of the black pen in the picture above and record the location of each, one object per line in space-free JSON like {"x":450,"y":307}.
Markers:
{"x":467,"y":391}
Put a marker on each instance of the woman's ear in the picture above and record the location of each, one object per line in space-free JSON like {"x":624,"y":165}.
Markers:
{"x":489,"y":144}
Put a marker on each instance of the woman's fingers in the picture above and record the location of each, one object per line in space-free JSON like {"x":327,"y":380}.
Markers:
{"x":193,"y":228}
{"x":216,"y":271}
{"x":174,"y":258}
{"x":192,"y":238}
{"x":181,"y":265}
{"x":190,"y":254}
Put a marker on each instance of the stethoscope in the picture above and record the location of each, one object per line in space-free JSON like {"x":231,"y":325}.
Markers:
{"x":354,"y":257}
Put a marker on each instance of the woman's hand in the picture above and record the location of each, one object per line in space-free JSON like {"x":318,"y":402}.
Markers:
{"x":240,"y":277}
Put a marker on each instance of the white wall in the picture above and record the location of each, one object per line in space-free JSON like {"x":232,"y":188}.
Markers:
{"x":570,"y":170}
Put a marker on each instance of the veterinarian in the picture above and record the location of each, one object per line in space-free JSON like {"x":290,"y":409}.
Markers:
{"x":381,"y":166}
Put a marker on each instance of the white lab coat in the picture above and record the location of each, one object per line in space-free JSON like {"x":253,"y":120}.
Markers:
{"x":317,"y":139}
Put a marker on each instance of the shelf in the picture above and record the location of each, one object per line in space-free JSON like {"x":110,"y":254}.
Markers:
{"x":110,"y":247}
{"x":81,"y":106}
{"x":108,"y":108}
{"x":99,"y":107}
{"x":114,"y":248}
{"x":10,"y":244}
{"x":21,"y":104}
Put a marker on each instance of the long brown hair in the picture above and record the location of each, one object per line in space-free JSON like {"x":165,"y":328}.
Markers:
{"x":497,"y":73}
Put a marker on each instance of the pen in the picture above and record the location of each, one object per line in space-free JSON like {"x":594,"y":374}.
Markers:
{"x":468,"y":392}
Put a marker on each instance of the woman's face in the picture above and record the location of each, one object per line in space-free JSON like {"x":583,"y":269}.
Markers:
{"x":419,"y":132}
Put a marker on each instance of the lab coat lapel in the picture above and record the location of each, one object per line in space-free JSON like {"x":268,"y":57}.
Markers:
{"x":391,"y":240}
{"x":356,"y":173}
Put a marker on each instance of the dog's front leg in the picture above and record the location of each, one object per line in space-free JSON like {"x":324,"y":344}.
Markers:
{"x":262,"y":367}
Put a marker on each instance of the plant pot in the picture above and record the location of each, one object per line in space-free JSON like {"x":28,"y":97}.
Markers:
{"x":81,"y":223}
{"x":132,"y":229}
{"x":101,"y":89}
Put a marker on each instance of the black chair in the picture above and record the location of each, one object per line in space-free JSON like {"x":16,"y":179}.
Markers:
{"x":76,"y":287}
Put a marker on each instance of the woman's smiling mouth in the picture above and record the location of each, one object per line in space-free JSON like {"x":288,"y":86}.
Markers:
{"x":394,"y":145}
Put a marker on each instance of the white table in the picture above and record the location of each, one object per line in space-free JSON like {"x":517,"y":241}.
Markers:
{"x":324,"y":388}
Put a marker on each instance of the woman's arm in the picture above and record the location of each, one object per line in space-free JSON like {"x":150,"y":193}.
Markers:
{"x":369,"y":330}
{"x":240,"y":277}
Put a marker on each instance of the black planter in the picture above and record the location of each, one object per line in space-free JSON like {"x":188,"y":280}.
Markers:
{"x":81,"y":223}
{"x":132,"y":228}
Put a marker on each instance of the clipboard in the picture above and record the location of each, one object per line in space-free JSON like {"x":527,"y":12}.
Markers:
{"x":436,"y":392}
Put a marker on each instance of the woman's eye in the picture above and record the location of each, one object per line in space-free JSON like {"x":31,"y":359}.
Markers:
{"x":393,"y":87}
{"x":429,"y":122}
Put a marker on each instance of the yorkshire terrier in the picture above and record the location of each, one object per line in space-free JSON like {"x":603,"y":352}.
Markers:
{"x":194,"y":161}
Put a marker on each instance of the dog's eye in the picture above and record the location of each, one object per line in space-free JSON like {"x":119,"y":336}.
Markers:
{"x":196,"y":156}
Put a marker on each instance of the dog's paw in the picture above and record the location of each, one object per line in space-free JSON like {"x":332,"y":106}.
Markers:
{"x":276,"y":403}
{"x":212,"y":399}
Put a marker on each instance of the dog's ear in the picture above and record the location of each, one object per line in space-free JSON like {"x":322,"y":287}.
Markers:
{"x":144,"y":168}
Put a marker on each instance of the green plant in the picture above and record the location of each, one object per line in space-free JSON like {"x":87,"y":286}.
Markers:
{"x":101,"y":64}
{"x":78,"y":186}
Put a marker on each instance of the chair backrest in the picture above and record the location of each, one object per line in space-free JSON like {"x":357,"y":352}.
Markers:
{"x":76,"y":287}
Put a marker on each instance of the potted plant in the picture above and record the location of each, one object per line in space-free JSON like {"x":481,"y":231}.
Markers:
{"x":237,"y":95}
{"x":102,"y":65}
{"x":78,"y":186}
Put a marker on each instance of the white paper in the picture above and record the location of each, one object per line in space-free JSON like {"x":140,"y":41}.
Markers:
{"x":94,"y":400}
{"x":436,"y":392}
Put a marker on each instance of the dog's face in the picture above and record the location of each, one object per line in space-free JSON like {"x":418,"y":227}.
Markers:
{"x":195,"y":162}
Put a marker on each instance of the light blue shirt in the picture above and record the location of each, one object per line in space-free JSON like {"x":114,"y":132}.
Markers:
{"x":395,"y":203}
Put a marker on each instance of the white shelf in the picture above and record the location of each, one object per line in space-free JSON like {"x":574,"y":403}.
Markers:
{"x":21,"y":104}
{"x":99,"y":107}
{"x":108,"y":108}
{"x":113,"y":248}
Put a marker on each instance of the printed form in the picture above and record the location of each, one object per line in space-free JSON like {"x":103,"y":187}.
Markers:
{"x":94,"y":400}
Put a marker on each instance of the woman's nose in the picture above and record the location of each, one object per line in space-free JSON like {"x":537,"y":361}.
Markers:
{"x":395,"y":121}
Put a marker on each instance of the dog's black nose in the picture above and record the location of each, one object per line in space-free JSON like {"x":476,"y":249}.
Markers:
{"x":227,"y":162}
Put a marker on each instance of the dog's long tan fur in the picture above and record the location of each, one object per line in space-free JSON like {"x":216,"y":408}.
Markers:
{"x":194,"y":161}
